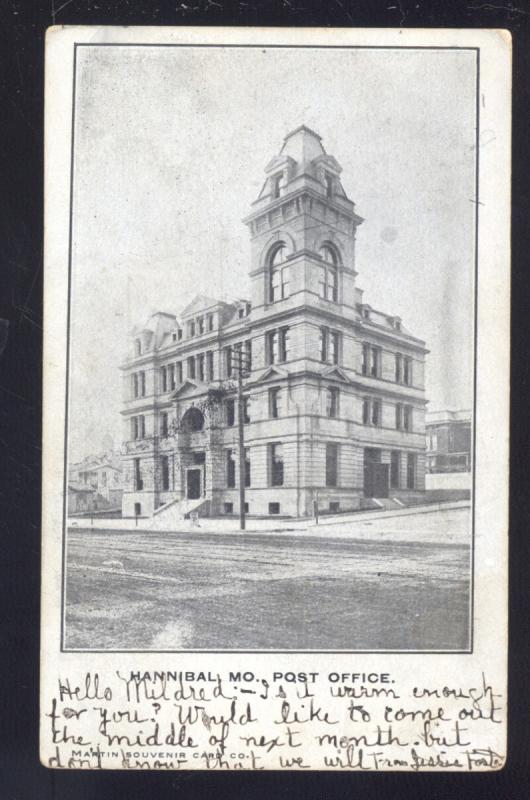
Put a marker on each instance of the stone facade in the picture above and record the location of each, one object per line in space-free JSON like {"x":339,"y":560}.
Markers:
{"x":335,"y":407}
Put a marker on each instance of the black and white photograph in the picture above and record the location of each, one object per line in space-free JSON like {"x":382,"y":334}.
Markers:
{"x":271,"y":349}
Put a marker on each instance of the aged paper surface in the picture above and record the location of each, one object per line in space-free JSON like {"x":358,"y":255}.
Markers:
{"x":276,"y":399}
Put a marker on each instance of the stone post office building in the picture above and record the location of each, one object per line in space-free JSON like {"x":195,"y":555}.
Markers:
{"x":334,"y":400}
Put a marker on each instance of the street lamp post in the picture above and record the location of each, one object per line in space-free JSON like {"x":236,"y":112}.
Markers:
{"x":241,"y":367}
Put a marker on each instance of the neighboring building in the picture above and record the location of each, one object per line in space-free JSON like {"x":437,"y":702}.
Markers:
{"x":103,"y":475}
{"x":448,"y":441}
{"x":335,"y":404}
{"x":81,"y":498}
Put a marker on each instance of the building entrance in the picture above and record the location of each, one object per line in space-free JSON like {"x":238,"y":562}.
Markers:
{"x":193,"y":483}
{"x":376,"y":474}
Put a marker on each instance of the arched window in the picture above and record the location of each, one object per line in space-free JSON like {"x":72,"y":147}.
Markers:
{"x":278,"y":274}
{"x":328,"y":282}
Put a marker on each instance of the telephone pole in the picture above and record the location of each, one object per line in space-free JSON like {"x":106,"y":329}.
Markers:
{"x":241,"y":368}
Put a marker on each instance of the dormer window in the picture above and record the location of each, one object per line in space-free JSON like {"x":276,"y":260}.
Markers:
{"x":137,"y":347}
{"x":241,"y":313}
{"x":366,"y":313}
{"x":191,"y":328}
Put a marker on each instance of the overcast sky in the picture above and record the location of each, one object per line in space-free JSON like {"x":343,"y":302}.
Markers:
{"x":171,"y":146}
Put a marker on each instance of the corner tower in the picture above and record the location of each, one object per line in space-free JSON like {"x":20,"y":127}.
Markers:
{"x":302,"y":229}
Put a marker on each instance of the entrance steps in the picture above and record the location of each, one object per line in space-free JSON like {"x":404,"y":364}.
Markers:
{"x":171,"y":514}
{"x":382,"y":503}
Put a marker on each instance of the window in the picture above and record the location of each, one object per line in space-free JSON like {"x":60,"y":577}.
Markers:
{"x":228,"y":361}
{"x":179,"y":334}
{"x":375,"y":362}
{"x":164,"y":424}
{"x":171,"y":376}
{"x":191,"y":367}
{"x":411,"y":470}
{"x":329,"y":185}
{"x":274,"y":508}
{"x":163,"y":379}
{"x":138,"y":480}
{"x":276,"y":464}
{"x":279,"y":274}
{"x":332,"y":464}
{"x":138,"y":427}
{"x":228,"y":508}
{"x":134,"y":384}
{"x":394,"y":469}
{"x":209,"y":366}
{"x":276,"y":182}
{"x":241,"y":313}
{"x":246,"y":410}
{"x":174,"y":336}
{"x":366,"y":359}
{"x":275,"y":403}
{"x":332,"y":404}
{"x":398,"y":367}
{"x":200,"y":366}
{"x":371,"y":412}
{"x":191,"y":328}
{"x":137,"y":509}
{"x":284,"y":344}
{"x":200,"y":325}
{"x":230,"y":470}
{"x":407,"y":371}
{"x":164,"y":473}
{"x":328,"y":279}
{"x":329,"y":346}
{"x":403,"y":417}
{"x":178,"y":367}
{"x":230,"y":412}
{"x":209,"y":322}
{"x":137,"y":347}
{"x":366,"y":313}
{"x":271,"y":339}
{"x":334,"y":507}
{"x":247,"y":467}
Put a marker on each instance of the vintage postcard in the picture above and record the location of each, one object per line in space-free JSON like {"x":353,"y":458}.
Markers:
{"x":276,"y":399}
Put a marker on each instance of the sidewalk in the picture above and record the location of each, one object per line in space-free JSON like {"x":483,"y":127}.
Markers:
{"x":353,"y":525}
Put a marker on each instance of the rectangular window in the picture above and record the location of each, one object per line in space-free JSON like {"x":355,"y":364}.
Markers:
{"x":246,"y":410}
{"x":283,"y":344}
{"x":399,"y":417}
{"x":276,"y":464}
{"x":366,"y":359}
{"x":164,"y":473}
{"x":163,"y":379}
{"x":138,"y":347}
{"x":274,"y":508}
{"x":376,"y":412}
{"x":332,"y":409}
{"x":178,"y":367}
{"x":171,"y":377}
{"x":332,"y":464}
{"x":230,"y":470}
{"x":375,"y":362}
{"x":275,"y":403}
{"x":228,"y":361}
{"x":209,"y":322}
{"x":179,"y":334}
{"x":407,"y":371}
{"x":209,"y":365}
{"x":134,"y":384}
{"x":247,"y":467}
{"x":407,"y":418}
{"x":366,"y":412}
{"x":335,"y":347}
{"x":272,"y":347}
{"x":200,"y":367}
{"x":276,"y":185}
{"x":329,"y":185}
{"x":141,"y":427}
{"x":399,"y":368}
{"x":164,"y":424}
{"x":137,"y":509}
{"x":191,"y":367}
{"x":394,"y":469}
{"x":228,"y":508}
{"x":411,"y":470}
{"x":191,"y":328}
{"x":230,"y":412}
{"x":200,"y":325}
{"x":324,"y":344}
{"x":138,"y":480}
{"x":134,"y":428}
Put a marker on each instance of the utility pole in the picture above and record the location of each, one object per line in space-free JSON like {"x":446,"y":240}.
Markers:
{"x":240,"y":367}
